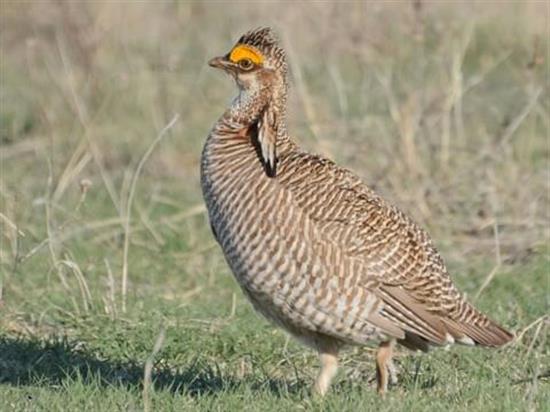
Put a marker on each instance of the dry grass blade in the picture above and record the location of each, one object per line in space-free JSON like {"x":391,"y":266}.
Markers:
{"x":12,"y":225}
{"x":81,"y":280}
{"x":111,"y":284}
{"x":84,"y":120}
{"x":533,"y":387}
{"x":149,"y":369}
{"x":74,"y":167}
{"x":131,"y":194}
{"x":406,"y":118}
{"x":303,"y":92}
{"x":520,"y":335}
{"x":518,"y":120}
{"x":177,"y":217}
{"x":453,"y":101}
{"x":146,"y":221}
{"x":68,"y":235}
{"x":494,"y":271}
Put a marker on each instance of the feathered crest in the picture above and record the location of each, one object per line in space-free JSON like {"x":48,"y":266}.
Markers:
{"x":263,"y":38}
{"x":266,"y":41}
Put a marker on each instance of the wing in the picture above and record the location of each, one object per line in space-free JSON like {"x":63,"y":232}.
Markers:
{"x":413,"y":283}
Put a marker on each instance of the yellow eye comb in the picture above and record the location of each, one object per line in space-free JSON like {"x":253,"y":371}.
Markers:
{"x":242,"y":51}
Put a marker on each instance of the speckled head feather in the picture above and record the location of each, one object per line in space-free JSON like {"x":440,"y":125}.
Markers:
{"x":265,"y":40}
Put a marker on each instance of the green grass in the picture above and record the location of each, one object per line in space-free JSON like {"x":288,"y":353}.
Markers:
{"x":219,"y":355}
{"x":213,"y":359}
{"x":85,"y":91}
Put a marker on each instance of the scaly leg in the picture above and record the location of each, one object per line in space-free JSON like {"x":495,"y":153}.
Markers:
{"x":385,"y":369}
{"x":329,"y":366}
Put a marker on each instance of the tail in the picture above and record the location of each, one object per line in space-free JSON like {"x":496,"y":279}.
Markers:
{"x":464,"y":324}
{"x":472,"y":327}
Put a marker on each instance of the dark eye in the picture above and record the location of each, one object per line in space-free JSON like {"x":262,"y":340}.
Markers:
{"x":245,"y":64}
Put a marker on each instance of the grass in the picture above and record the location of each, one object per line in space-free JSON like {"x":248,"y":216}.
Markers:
{"x":113,"y":294}
{"x":217,"y":356}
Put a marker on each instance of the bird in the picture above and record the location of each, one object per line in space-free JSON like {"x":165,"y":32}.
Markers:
{"x":314,"y":249}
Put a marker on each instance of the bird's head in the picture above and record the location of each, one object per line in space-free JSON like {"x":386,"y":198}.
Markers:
{"x":258,"y":64}
{"x":256,"y":61}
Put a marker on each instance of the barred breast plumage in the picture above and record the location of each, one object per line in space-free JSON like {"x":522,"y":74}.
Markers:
{"x":313,"y":248}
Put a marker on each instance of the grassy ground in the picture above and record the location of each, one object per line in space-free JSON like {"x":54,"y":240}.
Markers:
{"x":113,"y":294}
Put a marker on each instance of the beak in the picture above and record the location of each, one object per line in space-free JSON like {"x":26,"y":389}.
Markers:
{"x":220,"y":63}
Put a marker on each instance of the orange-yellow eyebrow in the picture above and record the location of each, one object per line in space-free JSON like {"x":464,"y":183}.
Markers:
{"x":242,"y":51}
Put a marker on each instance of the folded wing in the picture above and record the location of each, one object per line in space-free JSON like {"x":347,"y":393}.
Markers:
{"x":417,"y":294}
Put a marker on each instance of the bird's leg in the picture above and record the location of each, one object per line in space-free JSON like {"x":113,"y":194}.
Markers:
{"x":329,"y":366}
{"x":385,"y":370}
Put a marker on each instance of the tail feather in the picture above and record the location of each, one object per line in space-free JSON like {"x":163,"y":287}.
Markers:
{"x":479,"y":328}
{"x":423,"y":328}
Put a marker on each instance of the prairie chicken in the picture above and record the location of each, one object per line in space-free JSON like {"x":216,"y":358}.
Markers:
{"x":313,"y":248}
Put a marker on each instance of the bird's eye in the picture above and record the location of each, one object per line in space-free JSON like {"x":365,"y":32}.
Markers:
{"x":246,"y":64}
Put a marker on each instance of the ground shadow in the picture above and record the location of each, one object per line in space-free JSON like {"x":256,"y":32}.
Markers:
{"x":39,"y":363}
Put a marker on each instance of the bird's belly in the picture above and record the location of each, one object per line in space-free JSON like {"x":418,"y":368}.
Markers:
{"x":284,"y":274}
{"x":261,"y":250}
{"x":271,"y":281}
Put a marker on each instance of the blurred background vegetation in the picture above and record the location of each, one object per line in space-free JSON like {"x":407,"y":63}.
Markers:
{"x":442,"y":107}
